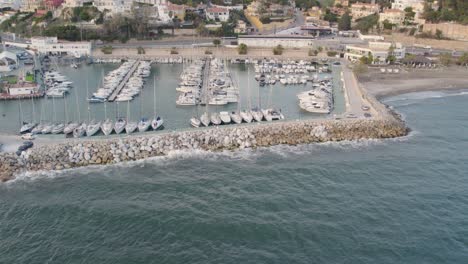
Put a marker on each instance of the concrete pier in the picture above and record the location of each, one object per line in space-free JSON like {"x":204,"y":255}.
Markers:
{"x":206,"y":81}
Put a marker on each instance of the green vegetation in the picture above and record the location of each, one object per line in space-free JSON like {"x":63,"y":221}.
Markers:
{"x":360,"y":68}
{"x":107,"y":49}
{"x":306,"y":4}
{"x":278,"y":50}
{"x":332,"y":53}
{"x":174,"y":51}
{"x":445,"y":59}
{"x":265,"y":19}
{"x":344,"y":23}
{"x":449,"y":10}
{"x":428,"y":34}
{"x":29,"y":77}
{"x":313,"y":52}
{"x":329,"y":16}
{"x":387,"y":25}
{"x":365,"y":24}
{"x":216,"y":42}
{"x":11,"y":79}
{"x":141,"y":50}
{"x":463,"y":59}
{"x":242,"y":49}
{"x":367,"y":59}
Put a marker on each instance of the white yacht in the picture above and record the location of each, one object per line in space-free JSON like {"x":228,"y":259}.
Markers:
{"x":79,"y":131}
{"x":215,"y":119}
{"x":58,"y":128}
{"x":107,"y":127}
{"x":144,"y":125}
{"x":157,"y":123}
{"x":225,"y":117}
{"x":27,"y":127}
{"x":246,"y":116}
{"x":120,"y":125}
{"x":92,"y":128}
{"x":195,"y":122}
{"x":205,"y":119}
{"x":235,"y":117}
{"x":131,"y":127}
{"x":70,"y":127}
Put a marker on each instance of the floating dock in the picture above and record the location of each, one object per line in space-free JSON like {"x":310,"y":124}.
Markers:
{"x":124,"y":81}
{"x":206,"y":81}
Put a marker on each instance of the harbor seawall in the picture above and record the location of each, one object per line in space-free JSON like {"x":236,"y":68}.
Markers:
{"x":78,"y":153}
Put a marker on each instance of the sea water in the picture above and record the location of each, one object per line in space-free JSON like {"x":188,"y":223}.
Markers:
{"x":400,"y":200}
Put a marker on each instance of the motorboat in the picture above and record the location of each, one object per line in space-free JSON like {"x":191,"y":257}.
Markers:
{"x":236,"y":118}
{"x":79,"y":131}
{"x":58,"y":128}
{"x":27,"y":127}
{"x":47,"y":129}
{"x":131,"y":127}
{"x":272,"y":114}
{"x":69,"y":128}
{"x":144,"y":125}
{"x":225,"y":117}
{"x":215,"y":119}
{"x":157,"y":123}
{"x":93,"y":128}
{"x":107,"y":127}
{"x":246,"y":116}
{"x":195,"y":122}
{"x":205,"y":119}
{"x":120,"y":125}
{"x":38,"y":129}
{"x":94,"y":99}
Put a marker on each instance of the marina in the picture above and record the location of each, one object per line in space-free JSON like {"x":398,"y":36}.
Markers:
{"x":164,"y":78}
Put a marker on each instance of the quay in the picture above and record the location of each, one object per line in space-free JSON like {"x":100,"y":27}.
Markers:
{"x":124,"y":81}
{"x":206,"y":81}
{"x":6,"y":96}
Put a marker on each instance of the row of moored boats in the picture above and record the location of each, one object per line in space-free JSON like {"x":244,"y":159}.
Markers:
{"x":57,"y":85}
{"x":94,"y":127}
{"x":236,"y":117}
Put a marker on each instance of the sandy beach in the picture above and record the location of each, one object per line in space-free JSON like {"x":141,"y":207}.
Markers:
{"x":414,"y":80}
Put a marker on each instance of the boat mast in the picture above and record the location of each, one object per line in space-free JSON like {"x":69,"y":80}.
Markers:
{"x":77,"y":105}
{"x":154,"y":94}
{"x":87,"y":94}
{"x":248,"y":88}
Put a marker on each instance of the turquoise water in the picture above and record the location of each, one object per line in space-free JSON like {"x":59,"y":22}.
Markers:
{"x":392,"y":201}
{"x":87,"y":78}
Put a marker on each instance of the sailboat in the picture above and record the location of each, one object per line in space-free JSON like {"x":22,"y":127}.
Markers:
{"x":79,"y":131}
{"x":235,"y":115}
{"x":256,"y":112}
{"x":225,"y":117}
{"x":26,"y":126}
{"x":215,"y":119}
{"x":157,"y":122}
{"x":57,"y":128}
{"x":144,"y":123}
{"x":247,"y":115}
{"x":130,"y":127}
{"x":205,"y":119}
{"x":92,"y":128}
{"x":120,"y":125}
{"x":195,"y":122}
{"x":72,"y":126}
{"x":107,"y":126}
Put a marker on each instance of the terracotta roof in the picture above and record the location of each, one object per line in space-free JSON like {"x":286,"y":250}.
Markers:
{"x":217,"y":10}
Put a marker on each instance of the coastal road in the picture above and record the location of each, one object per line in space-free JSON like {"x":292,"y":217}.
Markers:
{"x":354,"y":97}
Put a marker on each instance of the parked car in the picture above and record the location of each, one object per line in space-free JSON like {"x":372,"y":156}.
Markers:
{"x":351,"y":116}
{"x":365,"y":108}
{"x":368,"y":115}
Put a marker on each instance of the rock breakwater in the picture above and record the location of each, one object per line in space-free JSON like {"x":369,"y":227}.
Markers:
{"x":78,"y":153}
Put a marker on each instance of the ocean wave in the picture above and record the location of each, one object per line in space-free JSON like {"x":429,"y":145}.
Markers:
{"x":418,"y":96}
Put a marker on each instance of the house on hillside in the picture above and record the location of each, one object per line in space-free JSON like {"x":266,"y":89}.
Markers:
{"x":217,"y":13}
{"x":360,"y":10}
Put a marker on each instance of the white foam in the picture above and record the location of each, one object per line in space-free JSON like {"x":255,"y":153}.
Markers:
{"x":417,"y":96}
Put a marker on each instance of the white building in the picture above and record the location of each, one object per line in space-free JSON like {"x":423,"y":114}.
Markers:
{"x":122,"y":6}
{"x":393,"y":16}
{"x":51,"y":45}
{"x":23,"y":89}
{"x":417,"y":5}
{"x":275,"y":40}
{"x":378,"y":50}
{"x":360,"y":10}
{"x":76,"y":3}
{"x":217,"y":13}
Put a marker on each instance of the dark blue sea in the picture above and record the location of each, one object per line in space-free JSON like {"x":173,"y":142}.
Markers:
{"x":380,"y":201}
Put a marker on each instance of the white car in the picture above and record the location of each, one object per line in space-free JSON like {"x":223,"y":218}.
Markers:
{"x":28,"y":136}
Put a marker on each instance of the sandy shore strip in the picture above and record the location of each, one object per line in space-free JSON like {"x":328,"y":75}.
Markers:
{"x":414,"y":80}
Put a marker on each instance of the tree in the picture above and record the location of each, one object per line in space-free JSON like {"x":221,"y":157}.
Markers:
{"x":445,"y":59}
{"x":463,"y":59}
{"x":242,"y":49}
{"x":329,"y":16}
{"x":366,"y":23}
{"x":345,"y":22}
{"x":216,"y":42}
{"x":438,"y":34}
{"x":278,"y":50}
